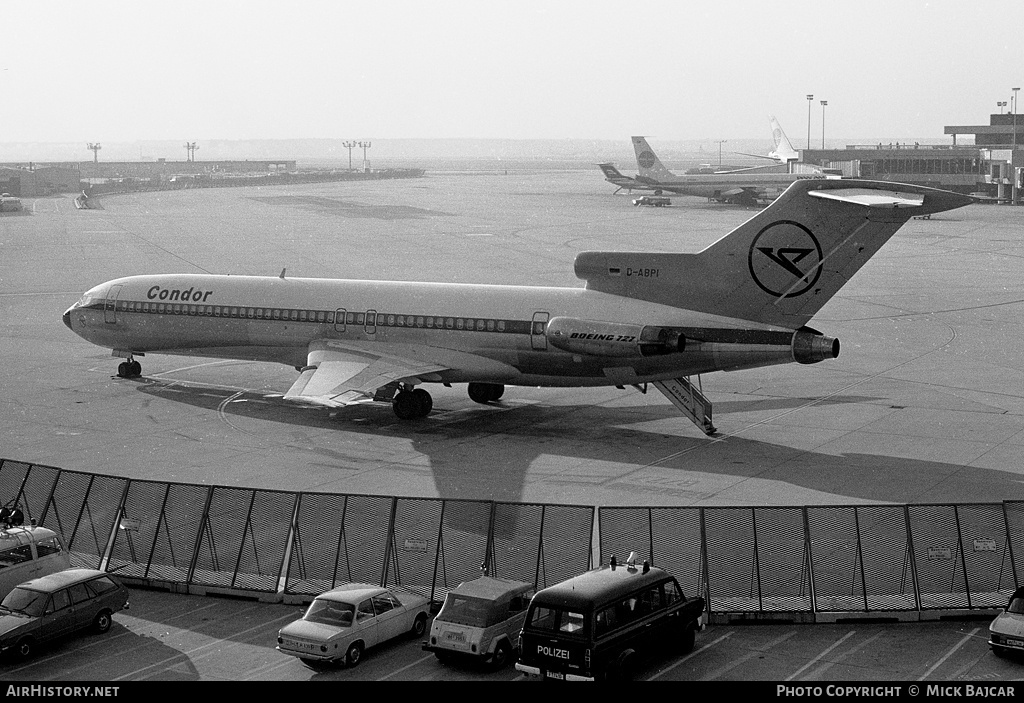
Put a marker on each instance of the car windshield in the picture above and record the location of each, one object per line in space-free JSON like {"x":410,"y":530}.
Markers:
{"x":26,"y":602}
{"x":328,"y":612}
{"x":1016,"y":605}
{"x":475,"y":612}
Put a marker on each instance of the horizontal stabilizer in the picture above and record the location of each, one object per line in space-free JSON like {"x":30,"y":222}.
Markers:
{"x":782,"y":265}
{"x":871,"y":198}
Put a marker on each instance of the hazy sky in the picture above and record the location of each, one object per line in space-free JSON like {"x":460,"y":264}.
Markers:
{"x":112,"y":70}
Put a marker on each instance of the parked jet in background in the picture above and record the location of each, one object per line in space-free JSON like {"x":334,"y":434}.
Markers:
{"x":785,"y":155}
{"x":743,"y":188}
{"x":642,"y":318}
{"x":616,"y":177}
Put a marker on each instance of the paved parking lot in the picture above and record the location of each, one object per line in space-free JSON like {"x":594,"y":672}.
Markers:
{"x":174,"y":637}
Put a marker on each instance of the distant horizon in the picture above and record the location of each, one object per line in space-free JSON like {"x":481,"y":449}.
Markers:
{"x":468,"y":148}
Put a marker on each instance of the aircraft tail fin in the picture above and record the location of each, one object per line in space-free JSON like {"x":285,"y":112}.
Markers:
{"x":648,"y":163}
{"x":783,"y":149}
{"x":610,"y":171}
{"x":781,"y":266}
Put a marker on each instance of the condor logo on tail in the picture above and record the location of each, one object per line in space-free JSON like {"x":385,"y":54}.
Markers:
{"x":785,"y":259}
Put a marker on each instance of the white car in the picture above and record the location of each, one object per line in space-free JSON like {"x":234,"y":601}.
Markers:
{"x":344,"y":622}
{"x":1006,"y":633}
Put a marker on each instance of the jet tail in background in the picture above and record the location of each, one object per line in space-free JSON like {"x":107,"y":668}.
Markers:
{"x":610,"y":172}
{"x":648,"y":164}
{"x":781,"y":266}
{"x":783,"y":150}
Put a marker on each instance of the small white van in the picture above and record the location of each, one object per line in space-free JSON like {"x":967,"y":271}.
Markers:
{"x":27,"y":553}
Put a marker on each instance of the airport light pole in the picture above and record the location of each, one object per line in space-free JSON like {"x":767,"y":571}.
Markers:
{"x":720,"y":142}
{"x":365,"y":145}
{"x":349,"y":146}
{"x":823,"y":104}
{"x":1013,"y":153}
{"x":95,"y":148}
{"x":809,"y":99}
{"x":191,"y":147}
{"x":1001,"y":105}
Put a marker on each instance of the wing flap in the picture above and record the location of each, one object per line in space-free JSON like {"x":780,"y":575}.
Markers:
{"x":336,"y":378}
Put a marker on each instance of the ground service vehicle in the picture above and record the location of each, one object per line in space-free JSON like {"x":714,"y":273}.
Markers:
{"x":599,"y":625}
{"x":27,"y":552}
{"x":56,"y":605}
{"x":342,"y":623}
{"x":653,"y":200}
{"x":481,"y":619}
{"x":1006,"y":633}
{"x":9,"y":203}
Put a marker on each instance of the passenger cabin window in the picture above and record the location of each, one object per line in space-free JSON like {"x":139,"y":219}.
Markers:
{"x":364,"y":611}
{"x":60,"y":600}
{"x":79,"y":593}
{"x":556,"y":620}
{"x":15,"y":555}
{"x":48,"y":546}
{"x":519,"y":603}
{"x":382,"y":604}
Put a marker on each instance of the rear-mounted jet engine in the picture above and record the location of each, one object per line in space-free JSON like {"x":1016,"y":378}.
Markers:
{"x":613,"y":339}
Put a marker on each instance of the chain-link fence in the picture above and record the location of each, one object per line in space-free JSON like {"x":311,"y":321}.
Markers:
{"x":743,"y":560}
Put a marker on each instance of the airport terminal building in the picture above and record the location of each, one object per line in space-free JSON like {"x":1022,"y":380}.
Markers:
{"x":993,"y":166}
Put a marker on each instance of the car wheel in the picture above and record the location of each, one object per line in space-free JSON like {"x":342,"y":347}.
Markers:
{"x":419,"y":625}
{"x":625,"y":665}
{"x":354,"y":654}
{"x":25,"y":648}
{"x":101,"y":623}
{"x":502,"y":655}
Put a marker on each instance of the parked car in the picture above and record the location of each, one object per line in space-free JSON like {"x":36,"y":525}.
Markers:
{"x":601,"y":624}
{"x":59,"y":604}
{"x":27,"y":553}
{"x":481,"y":619}
{"x":1006,"y":633}
{"x":342,"y":623}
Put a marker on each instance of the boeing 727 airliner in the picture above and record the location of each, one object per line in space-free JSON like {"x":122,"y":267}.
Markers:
{"x":657,"y":318}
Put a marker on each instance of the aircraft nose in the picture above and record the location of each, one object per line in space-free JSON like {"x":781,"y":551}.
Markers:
{"x":67,"y":318}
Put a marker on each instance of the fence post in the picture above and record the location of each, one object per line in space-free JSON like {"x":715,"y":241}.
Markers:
{"x":913,"y":558}
{"x":203,"y":520}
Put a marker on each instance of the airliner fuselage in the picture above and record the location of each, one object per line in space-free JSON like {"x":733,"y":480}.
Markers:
{"x":503,"y":333}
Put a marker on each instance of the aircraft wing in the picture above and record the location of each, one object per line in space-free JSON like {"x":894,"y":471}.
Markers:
{"x":341,"y":376}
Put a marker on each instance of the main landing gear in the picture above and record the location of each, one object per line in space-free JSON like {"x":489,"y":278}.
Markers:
{"x":412,"y":403}
{"x":485,"y":392}
{"x":129,"y":369}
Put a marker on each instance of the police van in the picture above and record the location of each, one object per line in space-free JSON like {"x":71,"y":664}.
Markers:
{"x":602,"y":624}
{"x":27,"y":552}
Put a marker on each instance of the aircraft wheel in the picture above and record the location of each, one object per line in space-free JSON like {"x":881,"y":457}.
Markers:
{"x":135,"y":368}
{"x":485,"y":392}
{"x":405,"y":405}
{"x":122,"y":370}
{"x":424,"y":402}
